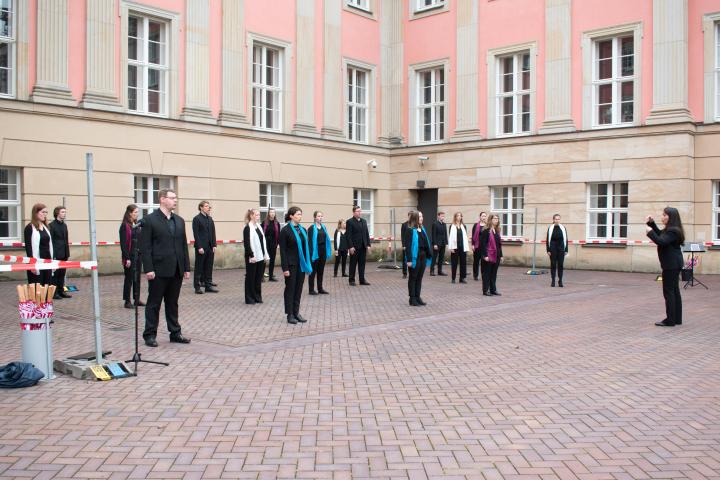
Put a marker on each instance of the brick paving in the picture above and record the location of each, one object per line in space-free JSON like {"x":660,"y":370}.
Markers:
{"x":540,"y":383}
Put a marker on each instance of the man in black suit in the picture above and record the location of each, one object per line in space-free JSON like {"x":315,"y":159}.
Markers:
{"x":439,"y":241}
{"x":205,"y":246}
{"x":403,"y":229}
{"x":358,"y":238}
{"x":165,"y":258}
{"x":61,"y":249}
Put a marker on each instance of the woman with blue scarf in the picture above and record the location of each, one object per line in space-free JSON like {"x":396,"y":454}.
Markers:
{"x":320,"y":251}
{"x":418,"y":254}
{"x":295,"y":261}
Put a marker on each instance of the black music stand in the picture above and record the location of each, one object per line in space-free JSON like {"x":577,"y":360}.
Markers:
{"x":693,"y":248}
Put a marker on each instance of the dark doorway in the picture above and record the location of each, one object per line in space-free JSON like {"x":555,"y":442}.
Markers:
{"x":427,"y":203}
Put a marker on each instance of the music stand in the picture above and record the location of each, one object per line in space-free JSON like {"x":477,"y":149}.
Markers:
{"x":693,"y":248}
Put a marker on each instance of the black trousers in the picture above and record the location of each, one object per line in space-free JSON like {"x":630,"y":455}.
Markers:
{"x":483,"y":273}
{"x":458,"y":258}
{"x":43,"y":278}
{"x":476,"y":263}
{"x":404,"y":263}
{"x":671,"y":292}
{"x":203,"y":268}
{"x":490,"y":277}
{"x":557,"y":259}
{"x":59,"y":280}
{"x":357,"y":261}
{"x":438,"y":257}
{"x":167,"y":289}
{"x":293,"y":290}
{"x":341,"y":257}
{"x":272,"y":252}
{"x":415,"y":276}
{"x":128,"y":285}
{"x":253,"y":281}
{"x":318,"y":272}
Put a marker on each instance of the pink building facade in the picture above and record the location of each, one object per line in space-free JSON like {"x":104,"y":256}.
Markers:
{"x":602,"y":111}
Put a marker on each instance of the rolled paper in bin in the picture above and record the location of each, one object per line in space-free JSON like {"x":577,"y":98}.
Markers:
{"x":35,"y":313}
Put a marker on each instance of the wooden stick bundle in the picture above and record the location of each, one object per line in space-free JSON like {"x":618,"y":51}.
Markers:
{"x":36,"y":293}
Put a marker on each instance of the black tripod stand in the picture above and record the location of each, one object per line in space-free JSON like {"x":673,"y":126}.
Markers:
{"x":693,"y":248}
{"x":136,"y":269}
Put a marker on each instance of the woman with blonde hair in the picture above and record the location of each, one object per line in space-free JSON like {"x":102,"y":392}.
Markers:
{"x":491,"y":253}
{"x":458,"y":244}
{"x":256,"y":253}
{"x":38,"y":243}
{"x":320,"y":251}
{"x":341,"y":248}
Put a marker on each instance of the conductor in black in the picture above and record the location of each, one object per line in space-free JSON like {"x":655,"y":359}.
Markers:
{"x":165,"y":258}
{"x":358,"y":239}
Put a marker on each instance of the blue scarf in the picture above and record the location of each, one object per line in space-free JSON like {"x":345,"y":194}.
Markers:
{"x":414,"y":247}
{"x":305,"y":265}
{"x":328,"y":248}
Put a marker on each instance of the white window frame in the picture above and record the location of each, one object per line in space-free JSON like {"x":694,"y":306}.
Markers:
{"x":415,"y":94}
{"x":716,"y":211}
{"x":610,"y":210}
{"x":143,"y":67}
{"x":711,"y":41}
{"x":509,"y":229}
{"x":279,"y":209}
{"x":353,"y":108}
{"x":153,"y":188}
{"x":360,"y":4}
{"x":16,"y":204}
{"x":367,"y":214}
{"x":516,"y":93}
{"x":589,"y":49}
{"x":11,"y":42}
{"x":263,"y":87}
{"x":423,"y":6}
{"x":616,"y":80}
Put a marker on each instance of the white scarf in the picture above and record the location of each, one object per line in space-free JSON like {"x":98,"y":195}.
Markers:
{"x":257,"y":243}
{"x":562,"y":230}
{"x":452,"y":239}
{"x":35,"y":241}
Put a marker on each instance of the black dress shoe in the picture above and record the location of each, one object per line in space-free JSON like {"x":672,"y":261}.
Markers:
{"x":404,"y":275}
{"x":65,"y":295}
{"x":258,"y":300}
{"x":273,"y":279}
{"x":312,"y":292}
{"x":432,"y":274}
{"x":179,"y":339}
{"x":300,"y":318}
{"x":364,"y":283}
{"x":421,"y":302}
{"x":128,"y":305}
{"x":151,"y":342}
{"x":351,"y":283}
{"x":463,"y":281}
{"x":452,"y":281}
{"x":487,"y":294}
{"x":414,"y":302}
{"x":57,"y":297}
{"x":664,"y":323}
{"x":552,"y":284}
{"x":498,"y":294}
{"x":345,"y":275}
{"x":323,"y":292}
{"x":198,"y":291}
{"x":211,"y":290}
{"x":291,"y":319}
{"x":213,"y":284}
{"x":475,"y":278}
{"x":560,"y":284}
{"x":250,"y":302}
{"x":441,"y":274}
{"x":140,"y":303}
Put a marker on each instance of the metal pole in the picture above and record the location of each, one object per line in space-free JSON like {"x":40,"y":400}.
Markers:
{"x":394,"y":239}
{"x":534,"y":240}
{"x":93,"y":255}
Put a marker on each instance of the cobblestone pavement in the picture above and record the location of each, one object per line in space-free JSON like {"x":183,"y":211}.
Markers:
{"x":539,"y":383}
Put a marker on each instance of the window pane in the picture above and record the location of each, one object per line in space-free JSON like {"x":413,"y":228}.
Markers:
{"x":5,"y":19}
{"x":604,"y":114}
{"x":605,"y":93}
{"x":627,"y":91}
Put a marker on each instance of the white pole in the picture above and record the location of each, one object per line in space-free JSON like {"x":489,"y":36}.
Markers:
{"x":93,"y":255}
{"x":534,"y":240}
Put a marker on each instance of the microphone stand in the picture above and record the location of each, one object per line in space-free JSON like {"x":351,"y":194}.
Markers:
{"x":135,"y":265}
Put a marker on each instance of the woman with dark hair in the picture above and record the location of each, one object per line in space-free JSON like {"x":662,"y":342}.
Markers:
{"x":418,"y":251}
{"x":256,"y":254}
{"x":271,"y":229}
{"x":128,"y":235}
{"x":320,"y":251}
{"x":557,"y":247}
{"x":491,"y":253}
{"x":458,"y":244}
{"x":341,"y":247}
{"x":38,"y":243}
{"x":668,"y":241}
{"x":295,"y":261}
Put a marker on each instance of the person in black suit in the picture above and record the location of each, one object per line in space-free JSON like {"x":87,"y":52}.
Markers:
{"x":557,"y":247}
{"x":295,"y":261}
{"x":419,"y":256}
{"x":668,"y":241}
{"x":256,"y":254}
{"x":491,"y":253}
{"x":38,"y":243}
{"x":439,"y":242}
{"x":165,"y":258}
{"x":61,"y":249}
{"x":320,"y":251}
{"x":477,"y":229}
{"x":341,"y":248}
{"x":205,"y":246}
{"x":358,"y":237}
{"x":403,"y":229}
{"x":128,"y":233}
{"x":271,"y":229}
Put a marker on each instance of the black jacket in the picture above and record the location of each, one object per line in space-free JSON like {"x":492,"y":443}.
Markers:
{"x":247,"y":246}
{"x":485,"y":238}
{"x":125,"y":246}
{"x":322,"y":242}
{"x":403,"y":229}
{"x":60,"y":240}
{"x":342,"y":245}
{"x":204,"y":232}
{"x":439,"y":234}
{"x":669,"y":251}
{"x":162,"y":252}
{"x":407,"y":244}
{"x":289,"y":248}
{"x":44,"y":249}
{"x":357,"y":233}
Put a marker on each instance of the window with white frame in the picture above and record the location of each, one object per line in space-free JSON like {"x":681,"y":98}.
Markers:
{"x":607,"y":210}
{"x":421,"y":5}
{"x":513,"y":94}
{"x":7,"y":48}
{"x":10,"y":214}
{"x":716,"y":211}
{"x":267,"y":87}
{"x":614,"y":81}
{"x":507,"y":203}
{"x":273,"y":195}
{"x":147,"y":75}
{"x":364,"y":199}
{"x":357,"y":106}
{"x":717,"y":71}
{"x":147,"y":188}
{"x":431,"y":105}
{"x":361,"y":4}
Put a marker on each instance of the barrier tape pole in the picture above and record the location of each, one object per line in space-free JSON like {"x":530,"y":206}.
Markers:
{"x":93,"y":255}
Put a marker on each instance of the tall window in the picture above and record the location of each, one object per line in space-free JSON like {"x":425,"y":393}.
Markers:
{"x":7,"y":47}
{"x":513,"y":94}
{"x":364,"y":200}
{"x":267,"y":87}
{"x":10,"y":215}
{"x":361,"y":4}
{"x":357,"y":107}
{"x":147,"y":77}
{"x":273,"y":195}
{"x":716,"y":210}
{"x":717,"y":71}
{"x":146,"y":192}
{"x":607,"y":210}
{"x":421,"y":5}
{"x":614,"y":81}
{"x":431,"y":105}
{"x":507,"y":203}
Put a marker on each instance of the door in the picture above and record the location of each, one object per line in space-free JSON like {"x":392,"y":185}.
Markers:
{"x":427,"y":203}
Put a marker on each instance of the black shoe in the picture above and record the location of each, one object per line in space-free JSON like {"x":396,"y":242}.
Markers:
{"x":335,"y":275}
{"x":250,"y":301}
{"x":273,"y":279}
{"x":664,"y":323}
{"x":151,"y":342}
{"x":65,"y":295}
{"x":198,"y":291}
{"x":312,"y":292}
{"x":441,"y":274}
{"x":57,"y":297}
{"x":432,"y":274}
{"x":364,"y":283}
{"x":292,"y":319}
{"x":475,"y":278}
{"x":452,"y":281}
{"x":351,"y":283}
{"x":128,"y":305}
{"x":498,"y":294}
{"x":258,"y":300}
{"x":414,"y":302}
{"x":323,"y":292}
{"x":487,"y":294}
{"x":420,"y":301}
{"x":213,"y":284}
{"x":179,"y":339}
{"x":560,"y":284}
{"x":404,"y":275}
{"x":140,"y":303}
{"x":211,"y":290}
{"x":300,"y":318}
{"x":345,"y":275}
{"x":552,"y":284}
{"x":463,"y":281}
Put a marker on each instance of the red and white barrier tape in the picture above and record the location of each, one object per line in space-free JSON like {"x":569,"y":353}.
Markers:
{"x":15,"y":259}
{"x":51,"y":265}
